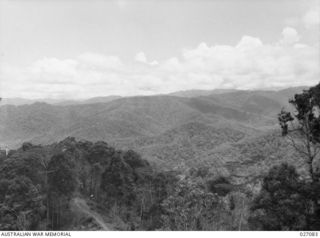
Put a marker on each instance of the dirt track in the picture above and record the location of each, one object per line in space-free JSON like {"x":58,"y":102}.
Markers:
{"x":83,"y":206}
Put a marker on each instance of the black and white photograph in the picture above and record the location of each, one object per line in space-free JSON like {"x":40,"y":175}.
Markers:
{"x":159,"y":115}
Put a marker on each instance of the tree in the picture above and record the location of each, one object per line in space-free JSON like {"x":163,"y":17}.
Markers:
{"x":220,"y":185}
{"x":134,"y":159}
{"x":117,"y":182}
{"x":191,"y":207}
{"x":21,"y":188}
{"x":21,"y":205}
{"x":101,"y":153}
{"x":62,"y":183}
{"x":62,"y":179}
{"x":281,"y":204}
{"x":160,"y":185}
{"x":303,"y":130}
{"x":303,"y":126}
{"x":95,"y":180}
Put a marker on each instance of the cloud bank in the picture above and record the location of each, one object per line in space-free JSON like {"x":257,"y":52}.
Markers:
{"x":249,"y":64}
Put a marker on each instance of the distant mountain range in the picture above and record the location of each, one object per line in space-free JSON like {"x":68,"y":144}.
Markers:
{"x":198,"y":93}
{"x":23,"y":101}
{"x":183,"y":129}
{"x":187,"y":93}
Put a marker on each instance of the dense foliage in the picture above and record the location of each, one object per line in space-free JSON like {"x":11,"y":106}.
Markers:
{"x":74,"y":185}
{"x":288,"y":201}
{"x":39,"y":185}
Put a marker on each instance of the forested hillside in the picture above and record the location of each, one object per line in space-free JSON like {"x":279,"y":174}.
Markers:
{"x":127,"y":120}
{"x":67,"y":185}
{"x":163,"y":163}
{"x":168,"y":131}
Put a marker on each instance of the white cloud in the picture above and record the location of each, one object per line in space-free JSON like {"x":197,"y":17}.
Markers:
{"x":248,"y":43}
{"x":312,"y":18}
{"x":249,"y":64}
{"x":142,"y":58}
{"x":54,"y":66}
{"x":289,"y":36}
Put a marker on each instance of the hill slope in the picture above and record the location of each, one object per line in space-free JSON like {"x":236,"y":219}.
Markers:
{"x":121,"y":119}
{"x":169,"y":130}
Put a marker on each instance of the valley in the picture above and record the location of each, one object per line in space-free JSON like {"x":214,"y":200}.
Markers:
{"x":167,"y":130}
{"x":127,"y":164}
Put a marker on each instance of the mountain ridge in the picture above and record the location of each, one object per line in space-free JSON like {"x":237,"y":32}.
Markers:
{"x":168,"y":130}
{"x":185,"y":93}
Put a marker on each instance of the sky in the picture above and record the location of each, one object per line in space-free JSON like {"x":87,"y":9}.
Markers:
{"x":76,"y":49}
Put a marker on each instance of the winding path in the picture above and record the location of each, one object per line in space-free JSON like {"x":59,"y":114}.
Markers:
{"x":83,"y":206}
